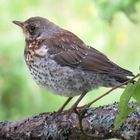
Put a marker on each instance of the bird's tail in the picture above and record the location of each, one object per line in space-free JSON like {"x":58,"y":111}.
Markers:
{"x":122,"y":79}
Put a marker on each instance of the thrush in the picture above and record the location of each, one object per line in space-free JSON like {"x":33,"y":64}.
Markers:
{"x":61,"y":62}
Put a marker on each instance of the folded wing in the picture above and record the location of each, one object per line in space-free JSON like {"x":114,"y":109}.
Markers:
{"x":69,"y":50}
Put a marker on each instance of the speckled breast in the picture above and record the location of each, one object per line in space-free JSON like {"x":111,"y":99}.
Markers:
{"x":62,"y":80}
{"x":47,"y":73}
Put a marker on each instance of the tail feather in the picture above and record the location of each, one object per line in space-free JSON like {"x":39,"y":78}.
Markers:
{"x":121,"y":71}
{"x":127,"y":72}
{"x":122,"y":78}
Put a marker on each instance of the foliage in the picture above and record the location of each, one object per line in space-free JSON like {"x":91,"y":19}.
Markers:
{"x":131,"y":91}
{"x":108,"y":8}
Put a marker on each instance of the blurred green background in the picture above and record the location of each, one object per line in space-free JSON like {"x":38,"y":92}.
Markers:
{"x":110,"y":26}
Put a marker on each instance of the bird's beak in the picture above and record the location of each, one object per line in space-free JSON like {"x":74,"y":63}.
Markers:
{"x":19,"y":23}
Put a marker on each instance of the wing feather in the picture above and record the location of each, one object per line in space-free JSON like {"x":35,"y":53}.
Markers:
{"x":69,"y":50}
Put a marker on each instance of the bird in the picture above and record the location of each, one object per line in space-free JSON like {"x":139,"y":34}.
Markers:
{"x":62,"y":63}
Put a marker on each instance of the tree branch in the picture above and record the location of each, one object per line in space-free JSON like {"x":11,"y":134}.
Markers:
{"x":98,"y":122}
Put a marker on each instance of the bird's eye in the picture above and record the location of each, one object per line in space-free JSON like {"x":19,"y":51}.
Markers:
{"x":32,"y":29}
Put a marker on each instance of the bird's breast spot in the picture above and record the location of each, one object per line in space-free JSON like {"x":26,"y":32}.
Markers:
{"x":42,"y":51}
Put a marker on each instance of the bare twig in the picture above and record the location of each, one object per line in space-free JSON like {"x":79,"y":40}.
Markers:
{"x":109,"y":91}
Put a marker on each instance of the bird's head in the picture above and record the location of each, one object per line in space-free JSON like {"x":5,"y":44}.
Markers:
{"x":36,"y":27}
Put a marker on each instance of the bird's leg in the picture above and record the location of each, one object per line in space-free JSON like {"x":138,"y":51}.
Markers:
{"x":78,"y":101}
{"x":80,"y":113}
{"x":64,"y":105}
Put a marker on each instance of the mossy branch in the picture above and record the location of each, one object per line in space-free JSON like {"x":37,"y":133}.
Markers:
{"x":97,"y":122}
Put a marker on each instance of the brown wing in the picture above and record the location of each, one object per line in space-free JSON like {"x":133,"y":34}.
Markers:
{"x":69,"y":50}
